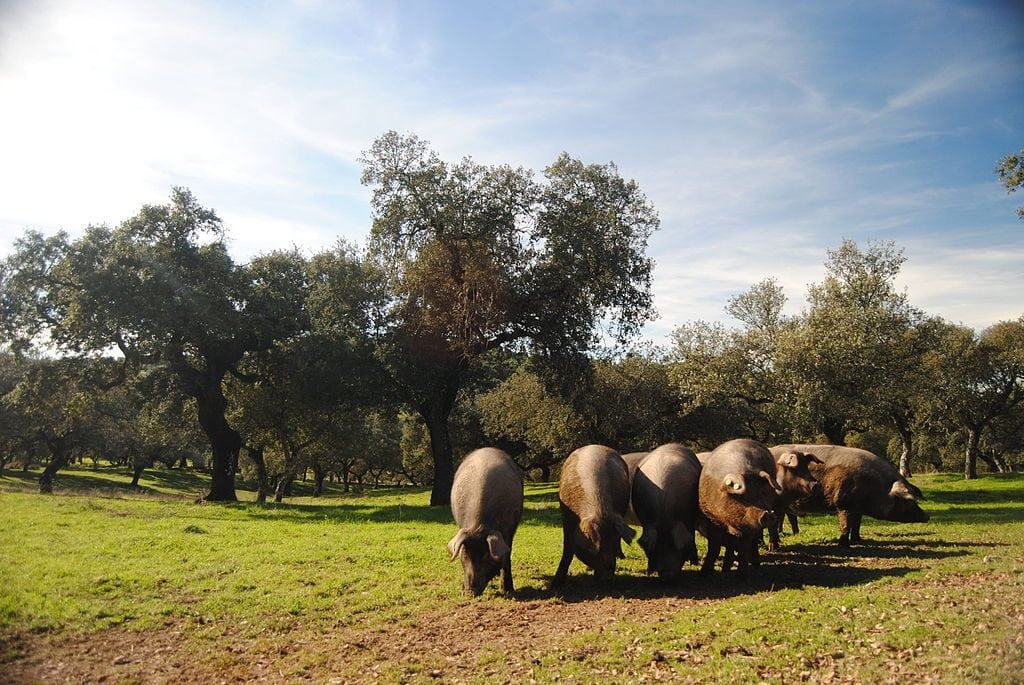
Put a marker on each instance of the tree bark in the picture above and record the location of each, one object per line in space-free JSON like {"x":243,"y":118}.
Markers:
{"x":435,"y":413}
{"x":283,"y":484}
{"x":59,"y":458}
{"x":262,"y":484}
{"x":907,"y":440}
{"x":834,"y":430}
{"x":137,"y":474}
{"x":436,"y":419}
{"x":971,"y":458}
{"x":46,"y":479}
{"x":318,"y":479}
{"x":225,"y":443}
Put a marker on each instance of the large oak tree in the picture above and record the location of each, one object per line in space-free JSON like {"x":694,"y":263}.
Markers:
{"x":480,"y":257}
{"x":162,"y":289}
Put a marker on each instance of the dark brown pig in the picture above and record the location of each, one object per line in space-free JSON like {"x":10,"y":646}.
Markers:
{"x":487,"y":503}
{"x":793,"y":473}
{"x":736,"y":494}
{"x":855,"y":482}
{"x":632,"y":460}
{"x":593,"y":495}
{"x":664,"y":496}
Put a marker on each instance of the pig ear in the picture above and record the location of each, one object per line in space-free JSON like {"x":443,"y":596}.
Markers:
{"x":682,"y":536}
{"x":624,"y":531}
{"x":771,"y":481}
{"x":813,"y":457}
{"x":789,"y":460}
{"x":497,"y":547}
{"x":733,"y":484}
{"x":899,"y":489}
{"x":591,"y":531}
{"x":456,"y":542}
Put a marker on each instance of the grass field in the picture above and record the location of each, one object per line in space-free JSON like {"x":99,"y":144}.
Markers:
{"x":103,"y":583}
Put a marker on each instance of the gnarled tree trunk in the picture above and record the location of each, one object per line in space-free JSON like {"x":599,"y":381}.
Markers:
{"x":225,"y":443}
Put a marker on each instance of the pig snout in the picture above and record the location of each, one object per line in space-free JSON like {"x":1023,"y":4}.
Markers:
{"x":768,"y":520}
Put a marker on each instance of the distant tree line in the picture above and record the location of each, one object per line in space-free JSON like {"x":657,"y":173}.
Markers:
{"x":487,"y":307}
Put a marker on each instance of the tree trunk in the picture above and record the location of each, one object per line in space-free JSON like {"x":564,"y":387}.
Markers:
{"x":907,"y":440}
{"x":225,"y":443}
{"x":834,"y":430}
{"x":59,"y":458}
{"x":318,"y":479}
{"x":46,"y":479}
{"x":284,"y":485}
{"x":994,"y":462}
{"x":262,"y":484}
{"x":971,"y":460}
{"x":436,"y":417}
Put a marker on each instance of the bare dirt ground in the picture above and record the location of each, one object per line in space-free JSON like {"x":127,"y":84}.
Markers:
{"x":445,"y":645}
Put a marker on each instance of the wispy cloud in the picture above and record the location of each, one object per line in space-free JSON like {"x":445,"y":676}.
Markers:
{"x":750,"y":127}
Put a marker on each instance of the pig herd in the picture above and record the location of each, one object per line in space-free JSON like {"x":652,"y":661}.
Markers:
{"x":730,"y":495}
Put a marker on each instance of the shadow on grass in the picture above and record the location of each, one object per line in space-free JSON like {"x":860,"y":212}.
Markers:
{"x":771,"y":576}
{"x":345,"y":513}
{"x":809,"y":565}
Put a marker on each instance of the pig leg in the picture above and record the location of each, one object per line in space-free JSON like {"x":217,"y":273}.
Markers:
{"x":567,"y":552}
{"x":775,"y":536}
{"x":730,"y":554}
{"x":506,"y":576}
{"x":714,"y":547}
{"x":792,"y":522}
{"x":747,"y":551}
{"x":846,"y":520}
{"x":854,"y":520}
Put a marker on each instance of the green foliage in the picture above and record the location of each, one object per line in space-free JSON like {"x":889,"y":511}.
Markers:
{"x":1011,"y":174}
{"x":852,"y":355}
{"x":483,"y":257}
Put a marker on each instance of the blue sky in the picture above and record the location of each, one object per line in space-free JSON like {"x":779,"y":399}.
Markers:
{"x":764,"y":133}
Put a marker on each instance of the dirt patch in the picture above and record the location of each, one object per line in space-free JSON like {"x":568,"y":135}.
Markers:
{"x":452,"y":645}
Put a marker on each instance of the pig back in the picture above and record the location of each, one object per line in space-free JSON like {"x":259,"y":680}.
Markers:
{"x":488,"y":491}
{"x":665,"y":487}
{"x":855,"y":480}
{"x":595,"y":482}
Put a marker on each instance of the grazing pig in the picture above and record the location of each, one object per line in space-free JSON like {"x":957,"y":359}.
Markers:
{"x":632,"y":460}
{"x":664,"y":496}
{"x":593,"y":495}
{"x":736,"y":494}
{"x":487,"y":503}
{"x":793,"y":473}
{"x":855,"y":482}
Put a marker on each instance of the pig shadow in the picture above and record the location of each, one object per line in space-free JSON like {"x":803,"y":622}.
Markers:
{"x":794,"y":567}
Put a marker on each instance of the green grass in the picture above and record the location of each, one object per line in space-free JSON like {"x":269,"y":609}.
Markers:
{"x":937,"y":600}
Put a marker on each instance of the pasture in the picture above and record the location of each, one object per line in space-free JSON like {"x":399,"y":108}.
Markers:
{"x":103,"y":583}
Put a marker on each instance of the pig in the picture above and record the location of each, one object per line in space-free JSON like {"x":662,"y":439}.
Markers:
{"x":632,"y":460}
{"x":793,"y":473}
{"x":855,"y":482}
{"x":736,"y":494}
{"x":593,"y":495}
{"x":487,"y":503}
{"x":664,"y":496}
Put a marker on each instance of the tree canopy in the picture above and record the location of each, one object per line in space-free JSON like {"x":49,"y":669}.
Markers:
{"x":480,"y":257}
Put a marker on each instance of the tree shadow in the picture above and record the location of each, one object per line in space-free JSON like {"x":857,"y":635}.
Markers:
{"x":345,"y":513}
